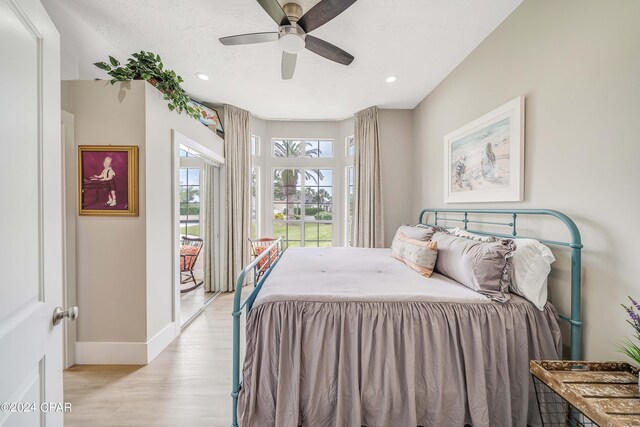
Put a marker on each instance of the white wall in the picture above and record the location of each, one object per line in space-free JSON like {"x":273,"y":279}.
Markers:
{"x":577,"y":62}
{"x":80,"y":45}
{"x":110,"y":255}
{"x":124,"y":266}
{"x":396,"y":169}
{"x":159,"y":125}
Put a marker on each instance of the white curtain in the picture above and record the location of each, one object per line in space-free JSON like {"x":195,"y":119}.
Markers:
{"x":208,"y":214}
{"x":368,"y":221}
{"x":237,"y":140}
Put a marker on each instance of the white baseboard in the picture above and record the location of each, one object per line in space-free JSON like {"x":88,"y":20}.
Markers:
{"x":161,"y":340}
{"x":124,"y":353}
{"x":111,"y":353}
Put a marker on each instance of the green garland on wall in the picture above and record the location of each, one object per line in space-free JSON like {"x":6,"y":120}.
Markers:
{"x":148,"y":66}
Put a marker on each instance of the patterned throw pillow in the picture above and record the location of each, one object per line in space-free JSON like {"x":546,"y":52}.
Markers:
{"x":420,"y":255}
{"x":416,"y":232}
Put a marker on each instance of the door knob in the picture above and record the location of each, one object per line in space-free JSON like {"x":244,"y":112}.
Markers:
{"x":70,"y":314}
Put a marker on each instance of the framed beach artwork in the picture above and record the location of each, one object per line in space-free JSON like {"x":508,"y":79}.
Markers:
{"x":484,"y":160}
{"x":209,"y":117}
{"x":108,"y":180}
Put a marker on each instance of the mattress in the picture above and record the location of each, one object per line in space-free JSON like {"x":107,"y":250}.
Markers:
{"x":353,"y":337}
{"x":357,"y":274}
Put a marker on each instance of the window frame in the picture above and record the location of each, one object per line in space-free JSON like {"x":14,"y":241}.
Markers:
{"x":256,"y":164}
{"x":349,"y":164}
{"x":333,"y":148}
{"x":303,"y":205}
{"x":255,"y":171}
{"x":193,"y":163}
{"x":269,"y":162}
{"x":347,"y":140}
{"x":255,"y":138}
{"x":348,"y":208}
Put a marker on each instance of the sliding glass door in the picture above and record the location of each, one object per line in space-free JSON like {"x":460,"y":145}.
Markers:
{"x":199,"y":230}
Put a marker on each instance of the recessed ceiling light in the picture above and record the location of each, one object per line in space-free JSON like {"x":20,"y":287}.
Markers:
{"x":392,"y":78}
{"x":202,"y":76}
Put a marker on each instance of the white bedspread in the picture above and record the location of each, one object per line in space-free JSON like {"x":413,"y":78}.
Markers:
{"x":356,"y":274}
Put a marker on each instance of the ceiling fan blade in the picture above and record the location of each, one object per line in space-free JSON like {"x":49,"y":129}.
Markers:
{"x":288,"y":65}
{"x":322,"y":13}
{"x":249,"y":38}
{"x":327,"y":50}
{"x":275,"y":11}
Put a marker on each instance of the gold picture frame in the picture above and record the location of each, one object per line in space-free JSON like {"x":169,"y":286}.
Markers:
{"x":101,"y":175}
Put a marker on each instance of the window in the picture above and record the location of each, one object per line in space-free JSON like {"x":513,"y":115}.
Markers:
{"x":351,"y":146}
{"x":255,"y":145}
{"x":255,"y":187}
{"x":185,"y":153}
{"x":303,"y":206}
{"x":350,"y":173}
{"x":349,"y":190}
{"x":190,"y":201}
{"x":255,"y":177}
{"x":296,"y":148}
{"x":303,"y":197}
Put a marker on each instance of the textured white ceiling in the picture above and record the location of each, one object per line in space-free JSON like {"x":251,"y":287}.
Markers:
{"x":421,"y":41}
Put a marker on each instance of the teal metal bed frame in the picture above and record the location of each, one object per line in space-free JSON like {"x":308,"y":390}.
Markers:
{"x":575,"y":245}
{"x":238,"y":305}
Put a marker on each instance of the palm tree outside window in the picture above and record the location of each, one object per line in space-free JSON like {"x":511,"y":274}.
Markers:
{"x":303,"y":197}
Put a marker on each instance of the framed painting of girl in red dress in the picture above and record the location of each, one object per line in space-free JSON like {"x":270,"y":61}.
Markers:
{"x":108,"y":180}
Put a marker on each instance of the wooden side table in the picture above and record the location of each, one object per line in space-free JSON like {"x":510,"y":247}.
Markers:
{"x":577,"y":393}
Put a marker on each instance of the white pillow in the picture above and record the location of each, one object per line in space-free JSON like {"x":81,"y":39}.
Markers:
{"x":464,"y":233}
{"x":531,"y":266}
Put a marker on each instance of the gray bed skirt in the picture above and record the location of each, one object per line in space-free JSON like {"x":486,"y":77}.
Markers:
{"x":402,"y":364}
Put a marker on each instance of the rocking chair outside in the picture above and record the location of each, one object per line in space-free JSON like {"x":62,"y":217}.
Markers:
{"x":189,"y":250}
{"x":257,"y":247}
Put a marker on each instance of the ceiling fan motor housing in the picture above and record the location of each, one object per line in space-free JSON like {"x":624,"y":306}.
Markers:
{"x":293,"y":11}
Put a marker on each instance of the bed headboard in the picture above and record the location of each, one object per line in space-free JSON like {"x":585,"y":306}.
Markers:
{"x":474,"y":216}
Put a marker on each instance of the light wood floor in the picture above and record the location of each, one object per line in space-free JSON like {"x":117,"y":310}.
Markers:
{"x":191,"y":302}
{"x":187,"y":385}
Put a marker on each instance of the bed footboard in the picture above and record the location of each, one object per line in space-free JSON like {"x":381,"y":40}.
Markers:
{"x":261,"y":268}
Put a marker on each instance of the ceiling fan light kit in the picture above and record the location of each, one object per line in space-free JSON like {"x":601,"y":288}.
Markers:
{"x":291,"y":39}
{"x":293,"y":29}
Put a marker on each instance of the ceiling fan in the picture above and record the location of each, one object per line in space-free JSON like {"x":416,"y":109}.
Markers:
{"x":292,"y":34}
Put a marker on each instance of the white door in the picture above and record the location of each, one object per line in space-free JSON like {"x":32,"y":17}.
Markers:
{"x":30,"y":217}
{"x":70,"y":197}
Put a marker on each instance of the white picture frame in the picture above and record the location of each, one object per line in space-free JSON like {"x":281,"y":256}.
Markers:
{"x":484,"y":160}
